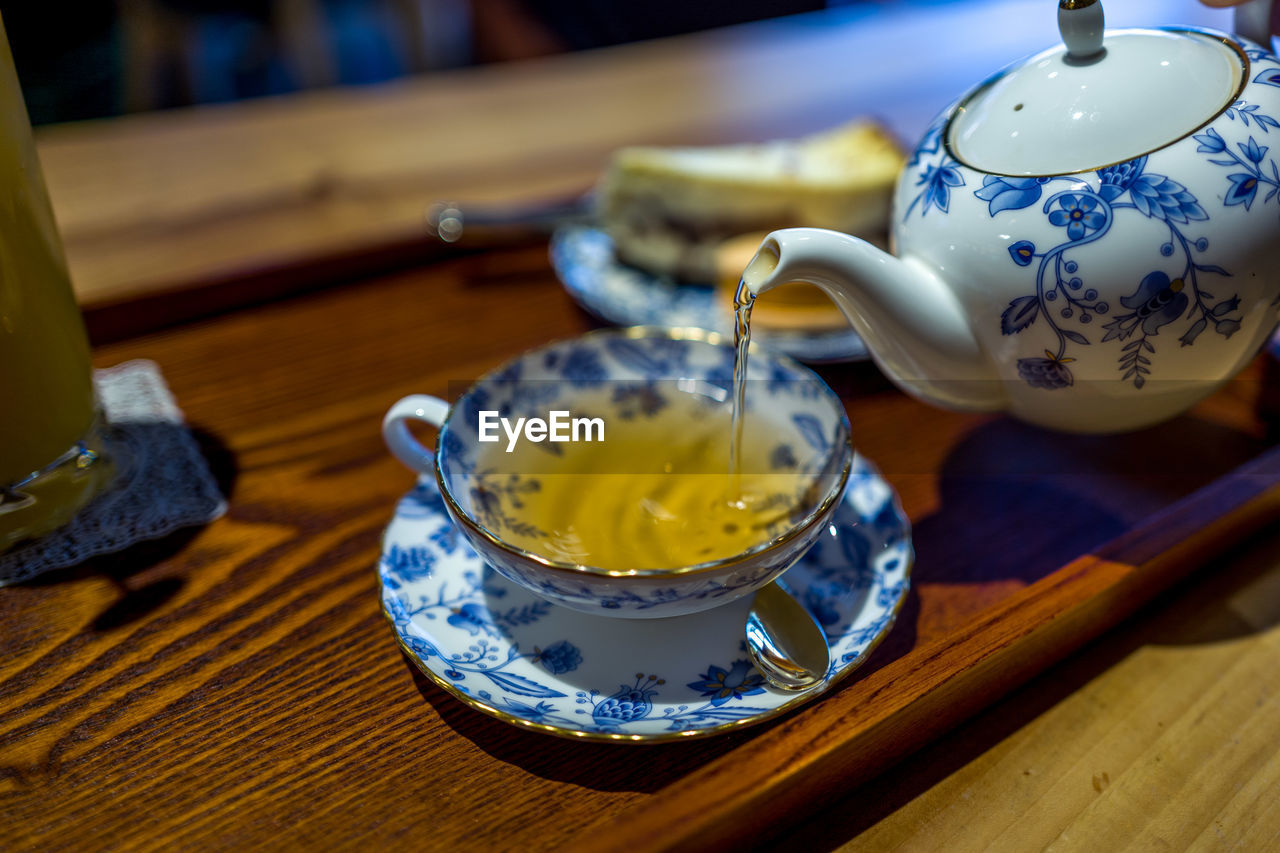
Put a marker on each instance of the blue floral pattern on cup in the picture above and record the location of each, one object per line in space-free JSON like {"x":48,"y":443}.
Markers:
{"x":503,"y":650}
{"x":636,"y":368}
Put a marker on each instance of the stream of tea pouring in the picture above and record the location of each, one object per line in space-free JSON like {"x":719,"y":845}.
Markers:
{"x":784,"y":640}
{"x":744,"y":298}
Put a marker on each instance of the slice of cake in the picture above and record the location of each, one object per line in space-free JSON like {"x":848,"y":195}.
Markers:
{"x":668,"y":209}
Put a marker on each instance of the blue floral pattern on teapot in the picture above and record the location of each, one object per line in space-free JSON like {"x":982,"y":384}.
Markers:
{"x":1172,"y":304}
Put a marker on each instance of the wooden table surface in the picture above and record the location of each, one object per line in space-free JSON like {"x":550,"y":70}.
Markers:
{"x":236,"y":686}
{"x":207,"y":196}
{"x":1159,"y":736}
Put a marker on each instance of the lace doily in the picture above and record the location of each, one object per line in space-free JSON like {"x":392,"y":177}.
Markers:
{"x":162,"y":482}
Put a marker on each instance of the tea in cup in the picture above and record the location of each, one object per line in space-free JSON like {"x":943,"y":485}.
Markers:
{"x":595,"y":471}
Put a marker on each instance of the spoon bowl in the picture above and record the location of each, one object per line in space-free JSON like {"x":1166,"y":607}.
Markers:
{"x":785,"y":642}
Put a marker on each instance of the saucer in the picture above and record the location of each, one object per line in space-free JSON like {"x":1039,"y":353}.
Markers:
{"x":503,"y":650}
{"x":584,"y":260}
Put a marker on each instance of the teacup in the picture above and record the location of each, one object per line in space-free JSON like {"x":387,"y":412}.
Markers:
{"x":798,"y":434}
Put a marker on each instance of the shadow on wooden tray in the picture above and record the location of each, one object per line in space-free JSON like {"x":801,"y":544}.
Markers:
{"x":598,"y":766}
{"x":1017,"y":502}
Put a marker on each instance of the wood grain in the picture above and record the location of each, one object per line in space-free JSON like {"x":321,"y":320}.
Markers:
{"x":237,"y":686}
{"x":1160,"y":736}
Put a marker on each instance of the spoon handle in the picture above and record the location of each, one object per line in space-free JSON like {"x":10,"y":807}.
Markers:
{"x":481,"y":226}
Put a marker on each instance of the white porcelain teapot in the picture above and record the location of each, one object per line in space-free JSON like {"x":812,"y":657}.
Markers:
{"x":1089,"y":240}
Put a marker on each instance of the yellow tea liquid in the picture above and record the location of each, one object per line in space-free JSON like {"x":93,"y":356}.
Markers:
{"x":655,"y":494}
{"x":46,"y":392}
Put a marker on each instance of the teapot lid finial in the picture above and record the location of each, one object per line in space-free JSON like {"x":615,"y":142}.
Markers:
{"x":1081,"y":23}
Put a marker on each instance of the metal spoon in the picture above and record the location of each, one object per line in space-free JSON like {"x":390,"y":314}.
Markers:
{"x":479,"y":226}
{"x":784,"y":641}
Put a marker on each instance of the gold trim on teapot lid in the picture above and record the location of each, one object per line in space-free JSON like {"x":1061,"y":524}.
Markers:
{"x":1055,"y":114}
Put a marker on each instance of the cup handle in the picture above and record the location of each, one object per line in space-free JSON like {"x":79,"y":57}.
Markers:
{"x":395,"y":432}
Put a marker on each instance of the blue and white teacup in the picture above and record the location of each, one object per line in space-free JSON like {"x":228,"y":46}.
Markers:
{"x":806,"y":422}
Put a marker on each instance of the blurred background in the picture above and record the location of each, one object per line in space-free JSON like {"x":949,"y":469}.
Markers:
{"x":95,"y":59}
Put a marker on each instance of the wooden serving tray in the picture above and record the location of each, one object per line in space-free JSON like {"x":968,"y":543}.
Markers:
{"x":1032,"y":545}
{"x":238,"y":686}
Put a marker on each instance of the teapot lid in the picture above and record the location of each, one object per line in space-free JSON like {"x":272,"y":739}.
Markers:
{"x":1094,"y":101}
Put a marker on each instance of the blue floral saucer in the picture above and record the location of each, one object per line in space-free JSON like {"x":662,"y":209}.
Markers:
{"x":626,"y":296}
{"x":506,"y":652}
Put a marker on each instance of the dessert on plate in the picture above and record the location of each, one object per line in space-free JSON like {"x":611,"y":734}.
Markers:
{"x":696,"y":213}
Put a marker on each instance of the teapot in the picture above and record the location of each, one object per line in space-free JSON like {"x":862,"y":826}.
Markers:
{"x":1088,"y":240}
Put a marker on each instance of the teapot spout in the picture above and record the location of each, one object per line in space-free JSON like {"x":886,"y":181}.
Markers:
{"x":912,"y":322}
